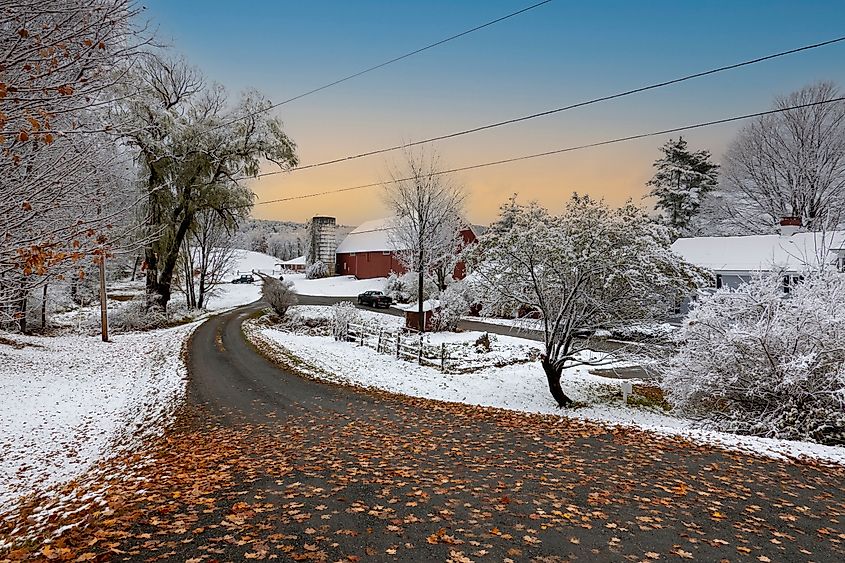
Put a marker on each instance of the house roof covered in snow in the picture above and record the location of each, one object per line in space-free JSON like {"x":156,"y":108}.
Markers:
{"x":371,"y":236}
{"x":761,"y":252}
{"x":428,"y":305}
{"x":294,"y":261}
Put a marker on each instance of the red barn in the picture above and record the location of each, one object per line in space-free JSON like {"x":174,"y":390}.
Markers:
{"x":368,"y":251}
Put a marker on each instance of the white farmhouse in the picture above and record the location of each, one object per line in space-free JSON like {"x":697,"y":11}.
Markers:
{"x":736,"y":259}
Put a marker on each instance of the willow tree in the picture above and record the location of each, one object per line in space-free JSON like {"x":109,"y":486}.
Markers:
{"x":195,"y":151}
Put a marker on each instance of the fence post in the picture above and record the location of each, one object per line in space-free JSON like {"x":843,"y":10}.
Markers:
{"x":398,"y":343}
{"x":420,"y":351}
{"x":378,"y":347}
{"x":442,"y":356}
{"x":362,"y":337}
{"x":346,"y":333}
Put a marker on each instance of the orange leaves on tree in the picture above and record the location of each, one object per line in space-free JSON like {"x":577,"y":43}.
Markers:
{"x":23,"y":33}
{"x":65,"y":90}
{"x":26,"y":206}
{"x":23,"y":136}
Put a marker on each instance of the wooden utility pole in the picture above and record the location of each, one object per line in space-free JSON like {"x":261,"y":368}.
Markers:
{"x":104,"y":318}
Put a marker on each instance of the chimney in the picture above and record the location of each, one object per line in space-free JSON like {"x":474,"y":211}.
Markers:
{"x":789,"y":226}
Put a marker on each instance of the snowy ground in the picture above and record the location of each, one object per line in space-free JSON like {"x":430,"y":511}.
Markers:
{"x":68,"y":401}
{"x":520,"y":387}
{"x":230,"y":295}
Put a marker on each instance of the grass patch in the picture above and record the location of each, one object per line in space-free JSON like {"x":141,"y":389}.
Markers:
{"x":648,"y":396}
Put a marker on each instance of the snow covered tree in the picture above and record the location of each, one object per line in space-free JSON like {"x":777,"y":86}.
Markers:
{"x":61,"y":175}
{"x":280,"y":295}
{"x":455,"y":302}
{"x":682,"y":181}
{"x":195,"y":151}
{"x":591,"y":267}
{"x":316,"y":270}
{"x":428,"y":206}
{"x":790,"y":164}
{"x":208,"y":254}
{"x":754,"y":361}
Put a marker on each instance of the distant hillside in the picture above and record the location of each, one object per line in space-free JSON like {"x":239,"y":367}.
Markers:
{"x":283,"y":239}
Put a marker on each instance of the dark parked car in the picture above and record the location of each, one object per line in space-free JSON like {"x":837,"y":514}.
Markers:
{"x":245,"y":278}
{"x":374,"y":299}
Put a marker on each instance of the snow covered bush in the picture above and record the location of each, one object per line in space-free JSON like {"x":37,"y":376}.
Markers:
{"x":754,"y":360}
{"x":402,"y":288}
{"x":280,"y":295}
{"x":396,"y":288}
{"x":455,"y":302}
{"x":316,"y":270}
{"x":132,"y":315}
{"x":343,"y":313}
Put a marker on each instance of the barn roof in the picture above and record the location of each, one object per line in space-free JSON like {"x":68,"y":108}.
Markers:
{"x":369,"y":237}
{"x":374,"y":236}
{"x":761,"y":252}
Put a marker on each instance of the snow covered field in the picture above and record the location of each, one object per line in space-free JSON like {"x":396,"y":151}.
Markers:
{"x":230,"y":295}
{"x":520,"y":387}
{"x":68,"y":401}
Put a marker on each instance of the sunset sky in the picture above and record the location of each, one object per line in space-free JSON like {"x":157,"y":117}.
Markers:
{"x":554,"y":55}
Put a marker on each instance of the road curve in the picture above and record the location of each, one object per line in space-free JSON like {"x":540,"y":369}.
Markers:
{"x":407,"y":479}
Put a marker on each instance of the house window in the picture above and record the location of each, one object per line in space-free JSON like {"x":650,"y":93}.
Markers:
{"x":385,"y":253}
{"x":352,"y":254}
{"x":791,"y":281}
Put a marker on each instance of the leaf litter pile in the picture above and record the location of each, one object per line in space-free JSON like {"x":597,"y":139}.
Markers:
{"x":403,"y":479}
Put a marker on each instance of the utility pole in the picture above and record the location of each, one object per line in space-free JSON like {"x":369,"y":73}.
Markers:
{"x":104,"y":318}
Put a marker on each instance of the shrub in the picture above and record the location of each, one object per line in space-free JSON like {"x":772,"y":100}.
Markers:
{"x":316,"y":270}
{"x":343,"y":313}
{"x":132,"y":315}
{"x":280,"y":295}
{"x":455,"y":302}
{"x":402,"y":288}
{"x":755,"y":361}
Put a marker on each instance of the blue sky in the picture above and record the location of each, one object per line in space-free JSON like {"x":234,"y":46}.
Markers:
{"x":559,"y":53}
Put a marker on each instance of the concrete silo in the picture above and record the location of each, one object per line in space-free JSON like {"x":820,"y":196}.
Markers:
{"x":322,"y":242}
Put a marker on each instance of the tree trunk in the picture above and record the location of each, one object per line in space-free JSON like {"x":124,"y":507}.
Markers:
{"x":135,"y":267}
{"x":553,"y":374}
{"x":420,"y":292}
{"x":154,"y":297}
{"x":44,"y":308}
{"x":22,"y":309}
{"x":159,"y":283}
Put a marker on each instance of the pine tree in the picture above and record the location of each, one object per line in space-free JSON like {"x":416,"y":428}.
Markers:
{"x":682,"y":180}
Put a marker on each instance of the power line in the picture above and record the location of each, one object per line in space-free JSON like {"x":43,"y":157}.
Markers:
{"x":567,"y":149}
{"x":564,"y":108}
{"x":388,"y":62}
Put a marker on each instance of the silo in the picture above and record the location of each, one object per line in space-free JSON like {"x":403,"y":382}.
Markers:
{"x":322,"y":242}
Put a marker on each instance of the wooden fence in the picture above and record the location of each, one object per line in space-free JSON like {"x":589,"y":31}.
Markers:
{"x":406,"y":344}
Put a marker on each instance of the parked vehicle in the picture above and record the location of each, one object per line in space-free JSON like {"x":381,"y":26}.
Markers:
{"x":244,"y":278}
{"x":374,"y":299}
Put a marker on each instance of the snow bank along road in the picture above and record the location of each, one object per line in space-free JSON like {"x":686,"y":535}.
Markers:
{"x":265,"y":463}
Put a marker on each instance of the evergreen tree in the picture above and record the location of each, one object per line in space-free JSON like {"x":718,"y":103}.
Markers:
{"x":682,"y":180}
